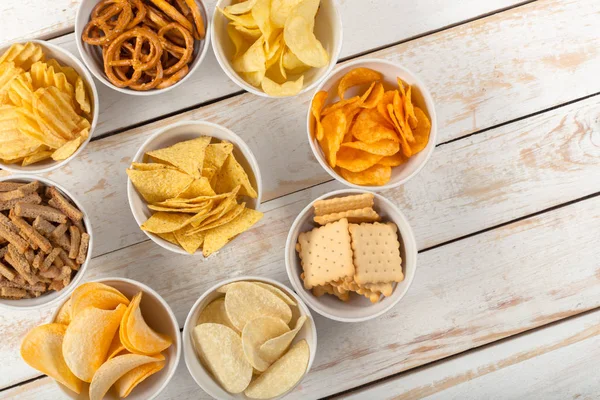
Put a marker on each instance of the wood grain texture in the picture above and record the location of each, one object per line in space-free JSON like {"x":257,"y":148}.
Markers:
{"x":554,"y":362}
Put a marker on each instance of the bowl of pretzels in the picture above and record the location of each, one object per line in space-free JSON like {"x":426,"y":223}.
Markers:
{"x":142,"y":47}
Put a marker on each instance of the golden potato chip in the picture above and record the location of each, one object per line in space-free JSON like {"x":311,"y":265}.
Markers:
{"x":8,"y":73}
{"x":253,"y":59}
{"x":246,"y":301}
{"x":216,"y":154}
{"x":113,"y":369}
{"x":215,"y":313}
{"x":67,"y":149}
{"x":277,"y":292}
{"x":240,"y":8}
{"x":81,"y":96}
{"x":292,"y":63}
{"x":88,"y":338}
{"x":220,"y":350}
{"x":384,"y":147}
{"x":55,"y":113}
{"x":394,"y":160}
{"x":374,"y":96}
{"x":260,"y":12}
{"x":280,"y":11}
{"x":289,"y":88}
{"x":188,"y":155}
{"x":163,"y":222}
{"x":282,"y":375}
{"x":64,"y":313}
{"x":125,"y":384}
{"x":95,"y":294}
{"x":401,"y":119}
{"x":299,"y":37}
{"x":20,"y":91}
{"x":230,"y":176}
{"x":159,"y":185}
{"x":43,"y":76}
{"x":13,"y":143}
{"x":371,"y":127}
{"x":37,"y":157}
{"x":69,"y":72}
{"x":42,"y":347}
{"x":356,"y":160}
{"x":23,"y":55}
{"x":238,"y":41}
{"x":247,"y":33}
{"x":271,"y":350}
{"x":254,"y":78}
{"x":189,"y":241}
{"x":29,"y":126}
{"x":116,"y":347}
{"x":218,"y":237}
{"x":355,"y":77}
{"x":334,"y":129}
{"x":403,"y":142}
{"x":421,"y":132}
{"x":255,"y":333}
{"x":340,"y":105}
{"x":142,"y":338}
{"x":315,"y":107}
{"x":245,"y":20}
{"x":377,"y":175}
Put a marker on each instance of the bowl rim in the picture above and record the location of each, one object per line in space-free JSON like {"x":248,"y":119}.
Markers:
{"x":140,"y":154}
{"x":65,"y":292}
{"x":234,"y":76}
{"x":407,"y":238}
{"x":187,"y":326}
{"x":428,"y":98}
{"x":89,"y":80}
{"x":201,"y":56}
{"x":161,"y":300}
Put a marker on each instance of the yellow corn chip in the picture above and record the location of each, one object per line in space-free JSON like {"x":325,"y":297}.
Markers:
{"x":159,"y":185}
{"x":188,"y":156}
{"x":189,"y":242}
{"x":224,"y":206}
{"x":169,"y":237}
{"x":162,"y":222}
{"x":229,"y":216}
{"x":215,"y":157}
{"x":231,"y":175}
{"x":218,"y":237}
{"x":199,"y":187}
{"x":151,"y":166}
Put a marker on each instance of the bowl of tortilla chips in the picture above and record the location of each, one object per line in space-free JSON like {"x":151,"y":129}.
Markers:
{"x":193,"y":187}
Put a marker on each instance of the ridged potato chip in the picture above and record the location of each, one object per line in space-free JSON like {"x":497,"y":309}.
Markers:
{"x":66,"y":150}
{"x":272,"y":349}
{"x":41,"y":348}
{"x":13,"y":143}
{"x":38,"y":156}
{"x":215,"y":313}
{"x":20,"y":92}
{"x":255,"y":333}
{"x":377,"y":175}
{"x":357,"y":76}
{"x":29,"y":125}
{"x":125,"y":384}
{"x":140,"y":337}
{"x":23,"y":55}
{"x":43,"y":76}
{"x":56,"y":115}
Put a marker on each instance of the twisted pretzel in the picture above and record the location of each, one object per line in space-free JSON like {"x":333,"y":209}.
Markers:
{"x":183,"y":53}
{"x":110,"y":17}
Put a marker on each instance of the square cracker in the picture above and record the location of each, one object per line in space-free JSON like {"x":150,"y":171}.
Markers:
{"x":326,"y":254}
{"x":366,"y":214}
{"x":340,"y":204}
{"x":376,"y":252}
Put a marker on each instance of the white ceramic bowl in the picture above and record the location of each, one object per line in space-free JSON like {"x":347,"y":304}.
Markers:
{"x":67,"y":59}
{"x":202,"y":377}
{"x":420,"y":97}
{"x":159,"y":317}
{"x":52,"y":298}
{"x":358,"y":308}
{"x":328,"y":29}
{"x":180,"y":132}
{"x":92,"y":55}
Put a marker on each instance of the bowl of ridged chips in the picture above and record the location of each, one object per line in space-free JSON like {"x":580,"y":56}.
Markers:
{"x":48,"y":107}
{"x":193,"y":187}
{"x":277,"y":48}
{"x":372,"y":124}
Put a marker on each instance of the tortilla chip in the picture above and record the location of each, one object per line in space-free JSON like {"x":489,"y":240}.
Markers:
{"x":188,"y":156}
{"x":163,"y":222}
{"x":159,"y":185}
{"x":215,"y":157}
{"x":190,"y":241}
{"x":231,"y":175}
{"x":218,"y":237}
{"x":199,"y":187}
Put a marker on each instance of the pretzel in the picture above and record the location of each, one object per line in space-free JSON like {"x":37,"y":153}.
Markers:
{"x":198,"y":21}
{"x":140,"y":14}
{"x":173,"y":79}
{"x":103,"y":20}
{"x":183,"y":53}
{"x":173,"y":13}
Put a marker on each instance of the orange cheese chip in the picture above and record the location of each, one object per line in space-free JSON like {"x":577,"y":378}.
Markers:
{"x":315,"y":107}
{"x":394,"y":160}
{"x":371,"y":127}
{"x":401,"y":119}
{"x":334,"y":129}
{"x":421,"y":132}
{"x":374,"y":96}
{"x":357,"y":76}
{"x":382,"y":147}
{"x":377,"y":175}
{"x":403,"y":142}
{"x":340,"y":104}
{"x":356,"y":160}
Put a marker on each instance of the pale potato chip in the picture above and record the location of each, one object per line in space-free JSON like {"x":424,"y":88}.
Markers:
{"x":230,"y":176}
{"x":67,"y":149}
{"x":271,"y":350}
{"x":301,"y":40}
{"x":293,"y":63}
{"x":64,"y":313}
{"x":125,"y":384}
{"x":95,"y":294}
{"x":241,"y":46}
{"x":114,"y":369}
{"x":278,"y":292}
{"x":220,"y":350}
{"x":215,"y":313}
{"x":142,"y":338}
{"x":188,"y":156}
{"x":255,"y":333}
{"x":246,"y":301}
{"x":88,"y":338}
{"x":282,"y":375}
{"x":253,"y":59}
{"x":245,"y":20}
{"x":42,"y":347}
{"x":218,"y":237}
{"x":216,"y":154}
{"x":248,"y":33}
{"x":260,"y":12}
{"x":289,"y":88}
{"x":240,"y":8}
{"x":280,"y":11}
{"x":116,"y":347}
{"x":254,"y":78}
{"x":159,"y":185}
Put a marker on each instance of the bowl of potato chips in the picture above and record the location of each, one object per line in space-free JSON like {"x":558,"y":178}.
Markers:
{"x":249,"y":337}
{"x":372,"y":124}
{"x":48,"y":107}
{"x":277,"y":48}
{"x":112,"y":338}
{"x":193,"y":187}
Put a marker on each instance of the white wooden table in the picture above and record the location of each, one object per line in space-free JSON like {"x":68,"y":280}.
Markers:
{"x":506,"y":301}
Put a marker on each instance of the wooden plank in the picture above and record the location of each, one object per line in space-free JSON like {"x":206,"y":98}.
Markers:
{"x":34,"y":19}
{"x":466,"y":294}
{"x":554,"y":362}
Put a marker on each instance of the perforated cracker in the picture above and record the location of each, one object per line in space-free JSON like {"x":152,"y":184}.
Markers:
{"x":376,"y":251}
{"x":340,"y":204}
{"x":366,"y":214}
{"x":326,"y":254}
{"x":319,"y":291}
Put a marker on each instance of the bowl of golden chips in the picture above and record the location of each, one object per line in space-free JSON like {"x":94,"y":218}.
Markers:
{"x":112,"y":338}
{"x":193,"y":187}
{"x":277,"y":48}
{"x":48,"y":107}
{"x":249,"y":338}
{"x":351,"y":255}
{"x":372,"y":124}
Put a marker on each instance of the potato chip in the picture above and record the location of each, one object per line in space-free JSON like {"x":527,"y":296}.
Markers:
{"x":55,"y":113}
{"x":260,"y":12}
{"x":189,"y":241}
{"x":95,"y":294}
{"x":307,"y":9}
{"x":159,"y":185}
{"x":29,"y":126}
{"x":220,"y":350}
{"x":218,"y":237}
{"x":41,"y":348}
{"x":125,"y":384}
{"x":69,"y":72}
{"x":401,"y":118}
{"x":411,"y":118}
{"x":188,"y":155}
{"x":394,"y":160}
{"x":355,"y":77}
{"x":241,"y":46}
{"x":371,"y":127}
{"x":282,"y":375}
{"x":245,"y":20}
{"x":37,"y":157}
{"x":253,"y":59}
{"x":230,"y":176}
{"x":334,"y":128}
{"x":247,"y":33}
{"x":421,"y":132}
{"x":67,"y":149}
{"x":116,"y":347}
{"x":403,"y":142}
{"x":271,"y":350}
{"x":240,"y":8}
{"x":81,"y":96}
{"x":142,"y":338}
{"x":216,"y":154}
{"x":374,"y":96}
{"x":20,"y":91}
{"x":281,"y":10}
{"x":215,"y":313}
{"x":377,"y":175}
{"x":88,"y":338}
{"x":299,"y":37}
{"x":356,"y":160}
{"x":255,"y":333}
{"x":384,"y":147}
{"x":114,"y":369}
{"x":315,"y":107}
{"x":246,"y":301}
{"x":293,"y":63}
{"x":43,"y":76}
{"x":23,"y":55}
{"x":340,"y":105}
{"x":8,"y":72}
{"x":254,"y":78}
{"x":277,"y":292}
{"x":13,"y":143}
{"x":64,"y":313}
{"x":289,"y":88}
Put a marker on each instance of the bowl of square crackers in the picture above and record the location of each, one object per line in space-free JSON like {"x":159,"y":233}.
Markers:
{"x":351,"y":255}
{"x":45,"y":242}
